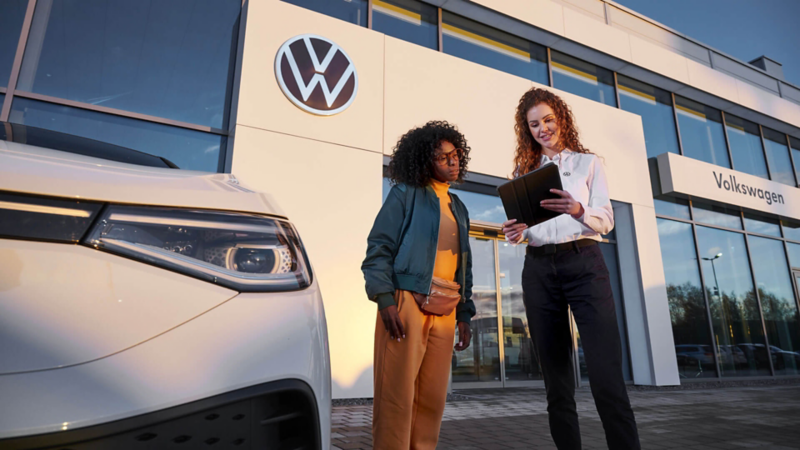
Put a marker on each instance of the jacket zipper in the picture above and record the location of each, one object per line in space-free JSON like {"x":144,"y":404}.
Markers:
{"x":438,"y":226}
{"x":436,"y":239}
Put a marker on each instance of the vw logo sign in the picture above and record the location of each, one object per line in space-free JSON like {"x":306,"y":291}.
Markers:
{"x":316,"y":74}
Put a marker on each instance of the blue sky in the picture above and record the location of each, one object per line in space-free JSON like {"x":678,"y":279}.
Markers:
{"x":745,"y":29}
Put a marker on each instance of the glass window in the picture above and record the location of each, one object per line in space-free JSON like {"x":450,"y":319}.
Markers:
{"x":188,"y":149}
{"x":521,"y":361}
{"x":408,"y":20}
{"x":486,"y":208}
{"x":780,"y":164}
{"x":794,"y":254}
{"x":493,"y":48}
{"x":481,"y":361}
{"x":12,"y":14}
{"x":760,"y":224}
{"x":166,"y":59}
{"x":791,"y":230}
{"x":610,"y":258}
{"x":672,"y":207}
{"x":387,"y":186}
{"x":721,"y":216}
{"x":795,"y":144}
{"x":687,"y":306}
{"x":745,"y":140}
{"x":735,"y":315}
{"x":701,"y":132}
{"x":581,"y":78}
{"x":774,"y":282}
{"x":353,"y":11}
{"x":655,"y":107}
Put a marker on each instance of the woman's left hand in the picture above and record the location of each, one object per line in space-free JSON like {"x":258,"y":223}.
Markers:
{"x":565,"y":205}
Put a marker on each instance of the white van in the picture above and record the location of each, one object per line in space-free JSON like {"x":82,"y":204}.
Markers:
{"x":143,"y":306}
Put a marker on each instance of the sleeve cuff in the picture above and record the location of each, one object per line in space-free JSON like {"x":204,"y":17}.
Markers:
{"x":582,"y":218}
{"x":464,"y":316}
{"x":384,"y":300}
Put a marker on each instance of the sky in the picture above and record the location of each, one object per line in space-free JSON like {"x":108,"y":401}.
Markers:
{"x":744,"y":29}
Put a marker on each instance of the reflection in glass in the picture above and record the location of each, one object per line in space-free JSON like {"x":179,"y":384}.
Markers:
{"x":735,"y":315}
{"x":780,"y":164}
{"x":12,"y":13}
{"x":655,"y":107}
{"x":353,"y":11}
{"x":721,"y":216}
{"x":762,"y":225}
{"x":701,"y":132}
{"x":794,"y":254}
{"x":687,"y":308}
{"x":584,"y":79}
{"x":745,"y":140}
{"x":482,"y":207}
{"x":188,"y":149}
{"x":493,"y":48}
{"x":481,"y":361}
{"x":775,"y":290}
{"x":791,"y":230}
{"x":672,"y":207}
{"x":409,"y":20}
{"x":610,"y":258}
{"x":795,"y":144}
{"x":521,"y":361}
{"x":167,"y":59}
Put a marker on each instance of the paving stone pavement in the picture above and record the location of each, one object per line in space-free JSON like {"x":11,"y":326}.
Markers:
{"x":736,"y":418}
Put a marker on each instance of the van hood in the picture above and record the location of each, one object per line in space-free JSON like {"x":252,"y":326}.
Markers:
{"x":35,"y":170}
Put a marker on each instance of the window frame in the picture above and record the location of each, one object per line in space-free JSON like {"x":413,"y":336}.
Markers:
{"x":11,"y":92}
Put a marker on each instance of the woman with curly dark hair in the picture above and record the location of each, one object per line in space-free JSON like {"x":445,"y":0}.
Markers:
{"x":418,"y":270}
{"x":565,"y":270}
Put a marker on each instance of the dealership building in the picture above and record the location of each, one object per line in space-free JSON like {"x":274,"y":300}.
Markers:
{"x":305,"y":99}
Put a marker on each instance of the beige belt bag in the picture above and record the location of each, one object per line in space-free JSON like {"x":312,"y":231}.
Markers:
{"x":442,"y":300}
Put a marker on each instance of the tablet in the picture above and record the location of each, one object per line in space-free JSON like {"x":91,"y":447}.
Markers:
{"x":521,"y":196}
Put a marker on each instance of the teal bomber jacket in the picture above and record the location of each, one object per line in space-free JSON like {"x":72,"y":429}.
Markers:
{"x":401,"y":248}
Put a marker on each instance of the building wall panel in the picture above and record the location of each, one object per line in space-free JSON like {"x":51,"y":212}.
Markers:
{"x":263,"y":105}
{"x":583,"y":29}
{"x":331,"y":194}
{"x":658,"y":59}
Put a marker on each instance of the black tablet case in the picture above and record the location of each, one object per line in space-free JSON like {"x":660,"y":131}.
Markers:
{"x":521,"y":196}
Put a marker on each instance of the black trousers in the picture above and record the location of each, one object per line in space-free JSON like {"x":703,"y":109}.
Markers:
{"x":579,"y":279}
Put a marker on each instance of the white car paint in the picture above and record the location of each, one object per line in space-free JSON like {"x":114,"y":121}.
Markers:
{"x":68,"y":304}
{"x":36,"y":170}
{"x":89,"y":337}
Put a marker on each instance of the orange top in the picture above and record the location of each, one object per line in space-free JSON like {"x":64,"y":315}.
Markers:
{"x":449,"y":247}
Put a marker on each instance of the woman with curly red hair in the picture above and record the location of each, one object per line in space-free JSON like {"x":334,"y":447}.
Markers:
{"x":565,"y":270}
{"x":418,"y":269}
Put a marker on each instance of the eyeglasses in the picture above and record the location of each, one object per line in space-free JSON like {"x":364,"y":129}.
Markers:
{"x":444,"y":158}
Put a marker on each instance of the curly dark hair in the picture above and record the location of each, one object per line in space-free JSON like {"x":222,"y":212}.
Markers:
{"x":529,"y":153}
{"x":412,"y":157}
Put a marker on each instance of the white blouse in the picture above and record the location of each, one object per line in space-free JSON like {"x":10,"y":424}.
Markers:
{"x":583,"y":176}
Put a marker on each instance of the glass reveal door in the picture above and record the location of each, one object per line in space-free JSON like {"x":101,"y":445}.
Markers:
{"x":481,"y":361}
{"x":502,"y":353}
{"x":521,"y":363}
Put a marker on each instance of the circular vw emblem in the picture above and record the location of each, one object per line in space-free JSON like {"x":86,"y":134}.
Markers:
{"x":316,"y":74}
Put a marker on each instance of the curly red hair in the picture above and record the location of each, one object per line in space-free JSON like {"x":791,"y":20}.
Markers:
{"x":528,"y":155}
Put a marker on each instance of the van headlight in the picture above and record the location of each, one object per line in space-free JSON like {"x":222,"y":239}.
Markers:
{"x":245,"y":252}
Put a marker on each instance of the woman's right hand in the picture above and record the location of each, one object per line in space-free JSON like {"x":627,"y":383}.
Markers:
{"x":513,"y":230}
{"x":392,"y":322}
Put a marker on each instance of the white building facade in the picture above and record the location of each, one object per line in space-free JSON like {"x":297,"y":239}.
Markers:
{"x":702,"y":153}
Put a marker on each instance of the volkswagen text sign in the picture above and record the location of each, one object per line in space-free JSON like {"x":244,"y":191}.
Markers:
{"x":316,"y":74}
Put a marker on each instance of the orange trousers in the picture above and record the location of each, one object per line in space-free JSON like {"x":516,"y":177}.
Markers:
{"x":411,"y":378}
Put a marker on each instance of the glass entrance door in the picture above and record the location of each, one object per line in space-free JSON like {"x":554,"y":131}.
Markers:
{"x":502,"y":352}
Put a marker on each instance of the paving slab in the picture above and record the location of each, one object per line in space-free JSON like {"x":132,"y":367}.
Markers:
{"x":738,"y":417}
